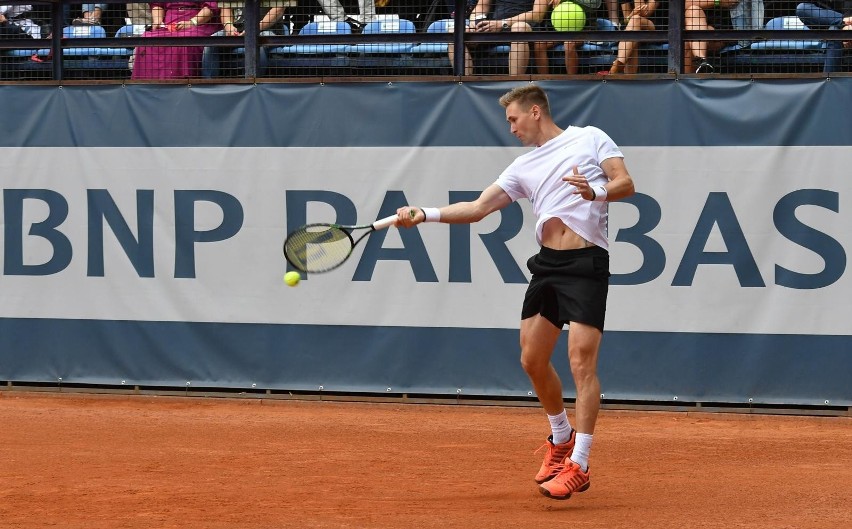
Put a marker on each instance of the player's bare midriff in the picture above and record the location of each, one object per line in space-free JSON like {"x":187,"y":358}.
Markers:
{"x":557,"y":236}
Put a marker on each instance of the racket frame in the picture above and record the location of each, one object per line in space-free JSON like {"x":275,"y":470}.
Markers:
{"x":347,"y":229}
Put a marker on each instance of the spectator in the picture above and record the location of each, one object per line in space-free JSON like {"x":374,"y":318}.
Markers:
{"x":612,"y":11}
{"x":232,"y":15}
{"x":232,"y":26}
{"x":705,"y":15}
{"x":335,"y":11}
{"x":645,"y":15}
{"x":748,"y":14}
{"x":139,"y":14}
{"x":509,"y":16}
{"x":572,"y":58}
{"x":91,"y":15}
{"x":176,"y":19}
{"x":14,"y":22}
{"x":828,"y":14}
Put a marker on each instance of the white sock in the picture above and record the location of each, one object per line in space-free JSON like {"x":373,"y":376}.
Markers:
{"x":582,"y":447}
{"x":560,"y":427}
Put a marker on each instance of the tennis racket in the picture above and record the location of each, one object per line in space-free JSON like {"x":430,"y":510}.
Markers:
{"x":323,"y":247}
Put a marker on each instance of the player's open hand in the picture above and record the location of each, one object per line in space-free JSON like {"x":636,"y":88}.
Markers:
{"x":579,"y":181}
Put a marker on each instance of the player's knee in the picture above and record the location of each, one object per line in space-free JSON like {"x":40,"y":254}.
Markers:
{"x":533,"y":365}
{"x":583,"y":369}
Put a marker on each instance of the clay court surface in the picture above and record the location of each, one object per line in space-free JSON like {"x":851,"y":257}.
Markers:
{"x":92,"y":461}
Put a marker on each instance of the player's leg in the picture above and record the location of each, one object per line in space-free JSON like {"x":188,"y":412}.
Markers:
{"x":583,"y":344}
{"x":538,"y":337}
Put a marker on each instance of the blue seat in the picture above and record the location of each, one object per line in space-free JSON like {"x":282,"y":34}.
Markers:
{"x":69,"y":32}
{"x":130,"y":30}
{"x":312,"y":59}
{"x":431,"y":57}
{"x":324,"y":27}
{"x":78,"y":62}
{"x":428,"y":49}
{"x":782,"y":23}
{"x":389,"y":25}
{"x":387,"y":57}
{"x":225,"y":62}
{"x":778,"y":55}
{"x":86,"y":32}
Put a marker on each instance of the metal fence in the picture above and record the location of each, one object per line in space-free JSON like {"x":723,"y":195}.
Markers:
{"x":259,"y":39}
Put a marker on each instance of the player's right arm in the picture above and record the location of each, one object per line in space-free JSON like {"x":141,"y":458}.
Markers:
{"x":489,"y":201}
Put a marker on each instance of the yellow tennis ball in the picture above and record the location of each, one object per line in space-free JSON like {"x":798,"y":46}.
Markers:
{"x":568,"y":16}
{"x":292,"y":278}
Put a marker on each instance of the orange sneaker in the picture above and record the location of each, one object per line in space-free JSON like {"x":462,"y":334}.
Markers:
{"x":570,"y":479}
{"x":553,"y":459}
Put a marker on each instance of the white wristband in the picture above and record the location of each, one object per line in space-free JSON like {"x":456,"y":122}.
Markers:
{"x":432,"y":214}
{"x":600,"y":193}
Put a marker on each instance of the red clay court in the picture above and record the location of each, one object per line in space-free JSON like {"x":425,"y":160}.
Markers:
{"x":76,"y":461}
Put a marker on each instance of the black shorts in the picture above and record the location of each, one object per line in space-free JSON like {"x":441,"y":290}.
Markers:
{"x":568,"y":285}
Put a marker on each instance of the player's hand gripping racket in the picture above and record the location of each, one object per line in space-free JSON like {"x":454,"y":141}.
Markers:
{"x":323,"y":247}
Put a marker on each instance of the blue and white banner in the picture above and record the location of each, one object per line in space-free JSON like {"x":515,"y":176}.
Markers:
{"x":194,"y":234}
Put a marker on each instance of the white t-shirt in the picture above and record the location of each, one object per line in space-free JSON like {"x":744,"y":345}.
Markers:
{"x":537,"y":175}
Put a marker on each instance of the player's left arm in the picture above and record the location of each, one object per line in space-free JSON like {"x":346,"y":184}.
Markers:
{"x":620,"y":183}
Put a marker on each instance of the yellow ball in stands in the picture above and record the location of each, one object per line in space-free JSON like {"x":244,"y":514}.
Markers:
{"x":292,"y":278}
{"x":568,"y":16}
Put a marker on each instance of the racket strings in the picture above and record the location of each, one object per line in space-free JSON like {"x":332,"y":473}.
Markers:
{"x":317,"y":248}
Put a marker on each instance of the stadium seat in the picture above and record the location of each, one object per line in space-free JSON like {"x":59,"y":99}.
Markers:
{"x":312,"y":59}
{"x":782,"y":23}
{"x":384,"y":58}
{"x":773,"y":56}
{"x":88,"y":62}
{"x":229,"y":62}
{"x":431,"y":57}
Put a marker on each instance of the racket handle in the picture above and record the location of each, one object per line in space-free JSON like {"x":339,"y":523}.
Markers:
{"x":384,"y":223}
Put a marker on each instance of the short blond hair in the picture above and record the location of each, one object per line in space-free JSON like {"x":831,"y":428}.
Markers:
{"x":527,"y":96}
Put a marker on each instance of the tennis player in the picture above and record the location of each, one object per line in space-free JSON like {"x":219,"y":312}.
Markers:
{"x":569,"y":177}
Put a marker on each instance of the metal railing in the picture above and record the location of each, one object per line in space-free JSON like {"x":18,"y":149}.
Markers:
{"x":253,"y":44}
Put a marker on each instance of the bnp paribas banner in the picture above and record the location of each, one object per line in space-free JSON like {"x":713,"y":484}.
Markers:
{"x":130,"y":233}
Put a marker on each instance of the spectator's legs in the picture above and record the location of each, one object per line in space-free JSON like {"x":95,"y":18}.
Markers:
{"x":468,"y":59}
{"x":542,"y":61}
{"x":368,"y":10}
{"x":540,"y":57}
{"x":211,"y":59}
{"x":626,"y":8}
{"x":572,"y":59}
{"x":519,"y":54}
{"x":272,"y":17}
{"x":628,"y":50}
{"x":694,"y":19}
{"x":816,"y":17}
{"x":333,"y":9}
{"x":612,"y":11}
